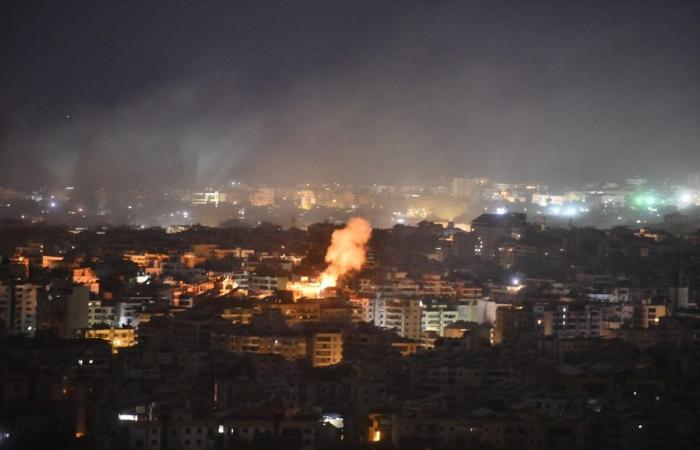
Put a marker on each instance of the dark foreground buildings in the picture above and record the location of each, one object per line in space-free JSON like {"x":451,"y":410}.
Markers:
{"x":508,"y":336}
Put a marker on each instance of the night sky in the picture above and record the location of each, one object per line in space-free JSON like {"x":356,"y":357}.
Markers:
{"x":187,"y":94}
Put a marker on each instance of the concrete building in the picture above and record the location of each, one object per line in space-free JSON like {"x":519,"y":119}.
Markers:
{"x":101,"y":314}
{"x":267,"y":283}
{"x":128,"y":313}
{"x":477,"y":310}
{"x":208,"y":198}
{"x":18,"y":308}
{"x":240,"y":340}
{"x":326,"y":349}
{"x":117,"y":337}
{"x":512,"y":322}
{"x":307,"y":199}
{"x":647,"y":316}
{"x":573,"y":321}
{"x":77,"y":301}
{"x":86,"y":276}
{"x":263,"y":197}
{"x":492,"y":229}
{"x":436,"y":316}
{"x":400,"y":314}
{"x":51,"y":262}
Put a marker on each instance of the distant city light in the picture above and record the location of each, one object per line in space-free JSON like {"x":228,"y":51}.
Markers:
{"x":128,"y":417}
{"x":334,"y":419}
{"x":140,"y":279}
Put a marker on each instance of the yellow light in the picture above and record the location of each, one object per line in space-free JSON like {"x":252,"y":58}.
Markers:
{"x":377,"y":436}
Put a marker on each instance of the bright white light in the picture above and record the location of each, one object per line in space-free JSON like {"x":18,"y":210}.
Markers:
{"x":53,"y":204}
{"x":140,"y":279}
{"x":515,"y":281}
{"x":501,"y":210}
{"x":685,"y":199}
{"x":221,"y":429}
{"x":128,"y":417}
{"x":334,"y":419}
{"x":570,"y":211}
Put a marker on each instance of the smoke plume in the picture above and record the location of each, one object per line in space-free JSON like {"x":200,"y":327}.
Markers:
{"x":347,"y":250}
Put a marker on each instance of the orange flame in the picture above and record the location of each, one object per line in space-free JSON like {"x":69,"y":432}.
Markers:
{"x":347,"y":251}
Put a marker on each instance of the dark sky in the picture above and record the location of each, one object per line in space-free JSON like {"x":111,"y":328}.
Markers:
{"x":175,"y":93}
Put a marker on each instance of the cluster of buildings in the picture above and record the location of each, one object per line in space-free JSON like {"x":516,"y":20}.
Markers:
{"x":504,"y":333}
{"x":630,"y":201}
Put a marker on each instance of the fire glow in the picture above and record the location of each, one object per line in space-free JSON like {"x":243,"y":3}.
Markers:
{"x":347,"y":252}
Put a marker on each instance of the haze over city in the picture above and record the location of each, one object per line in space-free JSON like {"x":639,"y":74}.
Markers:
{"x":149,"y":94}
{"x":349,"y":225}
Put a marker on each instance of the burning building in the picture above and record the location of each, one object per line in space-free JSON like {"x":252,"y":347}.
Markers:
{"x":346,"y":253}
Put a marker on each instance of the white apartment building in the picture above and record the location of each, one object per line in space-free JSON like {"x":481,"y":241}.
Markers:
{"x":435,"y":317}
{"x":401,"y":314}
{"x":100,"y":314}
{"x":265,"y":283}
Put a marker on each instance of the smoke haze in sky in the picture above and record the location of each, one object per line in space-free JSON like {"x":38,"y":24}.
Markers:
{"x":188,"y":94}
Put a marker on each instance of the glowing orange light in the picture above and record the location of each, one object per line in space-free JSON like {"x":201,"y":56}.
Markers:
{"x":347,"y":251}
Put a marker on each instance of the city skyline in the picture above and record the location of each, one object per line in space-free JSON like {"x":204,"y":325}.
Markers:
{"x":349,"y":225}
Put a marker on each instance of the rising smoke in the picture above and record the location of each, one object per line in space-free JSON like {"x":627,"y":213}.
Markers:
{"x":347,"y":251}
{"x":334,"y":91}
